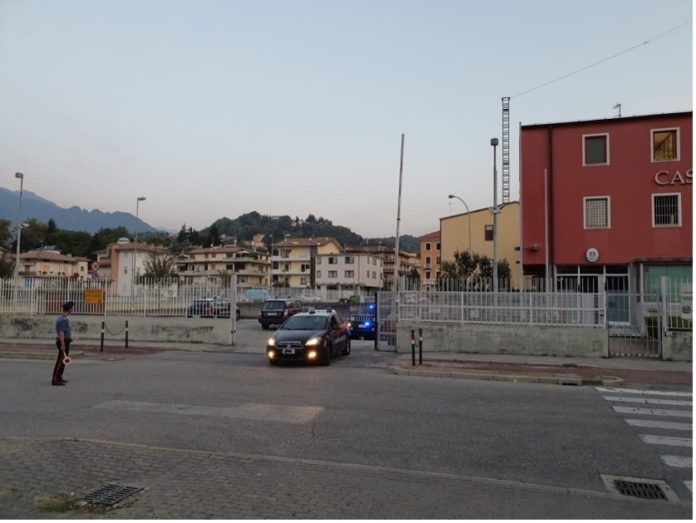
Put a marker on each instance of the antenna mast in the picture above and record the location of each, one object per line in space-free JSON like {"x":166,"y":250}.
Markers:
{"x":506,"y":149}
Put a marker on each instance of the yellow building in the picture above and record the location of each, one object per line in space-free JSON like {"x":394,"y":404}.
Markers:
{"x":294,"y":260}
{"x":474,"y":231}
{"x":47,"y":263}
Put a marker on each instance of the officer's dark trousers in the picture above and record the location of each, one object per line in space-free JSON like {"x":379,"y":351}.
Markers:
{"x":60,"y":366}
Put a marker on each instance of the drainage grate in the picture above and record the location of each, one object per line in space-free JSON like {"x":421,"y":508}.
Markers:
{"x":110,"y":494}
{"x":639,"y":490}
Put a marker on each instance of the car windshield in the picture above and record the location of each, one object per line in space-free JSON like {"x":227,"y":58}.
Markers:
{"x":366,"y":309}
{"x":306,"y":323}
{"x":273,"y":306}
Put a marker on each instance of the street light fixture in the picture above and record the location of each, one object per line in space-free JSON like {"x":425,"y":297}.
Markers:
{"x":494,"y":143}
{"x":468,"y":213}
{"x":19,"y":220}
{"x":135,"y":251}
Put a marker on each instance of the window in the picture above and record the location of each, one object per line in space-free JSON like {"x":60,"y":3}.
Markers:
{"x":318,"y":260}
{"x":333,"y":274}
{"x":665,"y":145}
{"x":597,"y":212}
{"x":349,"y":274}
{"x":333,"y":260}
{"x":488,"y":233}
{"x":427,"y":275}
{"x":437,"y":260}
{"x":374,"y":274}
{"x":427,"y":260}
{"x":303,"y":280}
{"x":667,"y":210}
{"x":349,"y":260}
{"x":437,"y":247}
{"x":318,"y":274}
{"x":427,"y":246}
{"x":595,"y":149}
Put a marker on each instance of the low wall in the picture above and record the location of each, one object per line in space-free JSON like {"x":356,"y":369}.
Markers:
{"x":678,"y":346}
{"x":183,"y":330}
{"x":526,"y":340}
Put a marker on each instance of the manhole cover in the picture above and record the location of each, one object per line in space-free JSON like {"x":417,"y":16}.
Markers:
{"x":110,"y":494}
{"x":641,"y":488}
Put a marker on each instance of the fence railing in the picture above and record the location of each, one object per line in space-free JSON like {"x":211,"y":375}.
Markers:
{"x":35,"y":296}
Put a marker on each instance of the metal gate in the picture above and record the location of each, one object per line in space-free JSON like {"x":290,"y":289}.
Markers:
{"x":387,"y":315}
{"x":639,"y":332}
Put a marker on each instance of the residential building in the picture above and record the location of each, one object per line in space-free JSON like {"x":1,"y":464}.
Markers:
{"x":294,"y":260}
{"x":607,"y":203}
{"x":350,"y":270}
{"x":407,"y":261}
{"x":473,"y":231}
{"x":429,"y":263}
{"x":212,"y":264}
{"x":51,"y":263}
{"x":128,"y":261}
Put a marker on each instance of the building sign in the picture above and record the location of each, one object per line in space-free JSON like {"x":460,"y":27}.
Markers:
{"x":94,"y":296}
{"x":673,"y":178}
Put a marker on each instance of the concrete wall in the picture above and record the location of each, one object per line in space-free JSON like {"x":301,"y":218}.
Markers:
{"x":507,"y":339}
{"x":140,"y":329}
{"x":678,"y":346}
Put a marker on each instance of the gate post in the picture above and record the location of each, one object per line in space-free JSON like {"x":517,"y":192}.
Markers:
{"x":663,"y":320}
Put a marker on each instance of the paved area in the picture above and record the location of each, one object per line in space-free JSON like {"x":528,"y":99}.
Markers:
{"x":184,"y":484}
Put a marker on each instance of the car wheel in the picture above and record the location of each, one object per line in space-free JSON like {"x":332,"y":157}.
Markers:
{"x":326,"y":356}
{"x":272,"y":362}
{"x":346,"y":349}
{"x":264,"y":326}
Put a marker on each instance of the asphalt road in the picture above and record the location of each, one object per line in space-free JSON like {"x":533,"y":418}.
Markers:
{"x":354,"y":412}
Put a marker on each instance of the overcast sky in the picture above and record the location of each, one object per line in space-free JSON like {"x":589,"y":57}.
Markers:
{"x":218,"y":108}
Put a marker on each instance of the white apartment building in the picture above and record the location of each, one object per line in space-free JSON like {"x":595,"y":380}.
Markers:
{"x":212,"y":264}
{"x":349,"y":271}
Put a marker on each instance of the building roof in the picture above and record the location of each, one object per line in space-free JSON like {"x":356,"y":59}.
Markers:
{"x":51,"y":256}
{"x":130,"y":246}
{"x":483,"y":209}
{"x":306,"y":242}
{"x":609,"y":120}
{"x":430,"y":236}
{"x":210,"y":250}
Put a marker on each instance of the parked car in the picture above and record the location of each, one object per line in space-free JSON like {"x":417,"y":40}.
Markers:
{"x":275,"y":312}
{"x":211,"y":308}
{"x":363,"y":322}
{"x":311,"y":337}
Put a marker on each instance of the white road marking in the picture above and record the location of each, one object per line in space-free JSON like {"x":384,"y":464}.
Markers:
{"x":681,"y":462}
{"x":669,"y":425}
{"x":646,"y":392}
{"x":688,"y":485}
{"x":654,"y":412}
{"x":651,"y":401}
{"x":666,"y":440}
{"x":249,"y":411}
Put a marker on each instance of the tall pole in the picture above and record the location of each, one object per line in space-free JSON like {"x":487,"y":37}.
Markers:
{"x":398,"y":219}
{"x":468,"y":213}
{"x":19,"y":220}
{"x":135,"y":250}
{"x":270,"y":272}
{"x":494,"y":143}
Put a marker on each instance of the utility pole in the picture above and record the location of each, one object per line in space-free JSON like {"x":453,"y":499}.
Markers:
{"x":494,"y":143}
{"x":398,"y":219}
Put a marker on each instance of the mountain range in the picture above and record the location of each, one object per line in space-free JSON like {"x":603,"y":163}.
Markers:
{"x":72,"y":219}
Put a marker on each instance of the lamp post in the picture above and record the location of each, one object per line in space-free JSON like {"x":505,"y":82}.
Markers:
{"x":19,"y":220}
{"x":468,"y":214}
{"x":135,"y":251}
{"x":494,"y":143}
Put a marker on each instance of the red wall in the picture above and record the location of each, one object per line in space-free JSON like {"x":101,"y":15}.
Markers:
{"x":629,"y":181}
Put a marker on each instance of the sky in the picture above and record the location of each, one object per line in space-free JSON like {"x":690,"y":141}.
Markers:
{"x":213,"y":109}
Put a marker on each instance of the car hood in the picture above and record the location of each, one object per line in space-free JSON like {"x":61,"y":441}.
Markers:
{"x":282,"y":336}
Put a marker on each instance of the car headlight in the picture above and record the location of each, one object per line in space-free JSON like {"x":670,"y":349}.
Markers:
{"x":313,"y":342}
{"x":271,"y":342}
{"x":312,"y":354}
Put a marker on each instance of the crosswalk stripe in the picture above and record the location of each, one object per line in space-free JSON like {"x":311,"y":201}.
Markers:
{"x":666,"y":440}
{"x":688,"y":485}
{"x":652,"y":401}
{"x":646,"y":392}
{"x":653,"y":412}
{"x":652,"y":424}
{"x":682,"y":462}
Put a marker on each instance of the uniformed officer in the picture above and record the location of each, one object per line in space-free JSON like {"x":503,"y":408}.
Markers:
{"x":63,"y":340}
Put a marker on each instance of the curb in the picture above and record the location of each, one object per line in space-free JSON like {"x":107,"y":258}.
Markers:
{"x":553,"y":379}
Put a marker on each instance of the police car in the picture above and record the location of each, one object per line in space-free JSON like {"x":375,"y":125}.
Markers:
{"x":311,"y":336}
{"x":363,"y":322}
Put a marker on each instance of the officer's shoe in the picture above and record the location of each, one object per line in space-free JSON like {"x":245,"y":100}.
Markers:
{"x":56,"y":383}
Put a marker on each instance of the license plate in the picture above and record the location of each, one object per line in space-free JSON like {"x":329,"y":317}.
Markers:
{"x":288,"y":351}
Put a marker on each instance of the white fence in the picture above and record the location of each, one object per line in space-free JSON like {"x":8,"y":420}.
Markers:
{"x":577,"y":309}
{"x":35,"y":296}
{"x":306,"y":295}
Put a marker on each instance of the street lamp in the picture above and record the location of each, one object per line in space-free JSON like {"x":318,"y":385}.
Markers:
{"x":135,"y":251}
{"x":468,"y":213}
{"x":494,"y":143}
{"x":19,"y":220}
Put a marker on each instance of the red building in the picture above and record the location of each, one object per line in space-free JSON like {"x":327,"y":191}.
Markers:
{"x":607,"y":202}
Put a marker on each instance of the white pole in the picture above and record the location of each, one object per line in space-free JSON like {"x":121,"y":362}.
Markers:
{"x":546,"y":230}
{"x":19,"y":220}
{"x":494,"y":143}
{"x":398,"y":218}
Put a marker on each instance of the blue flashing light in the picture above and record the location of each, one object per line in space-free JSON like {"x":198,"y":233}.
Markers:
{"x":371,"y":306}
{"x":367,"y":324}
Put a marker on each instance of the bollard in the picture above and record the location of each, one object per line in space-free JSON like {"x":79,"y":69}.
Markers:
{"x":413,"y":348}
{"x":126,"y":333}
{"x":420,"y":346}
{"x":101,"y":346}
